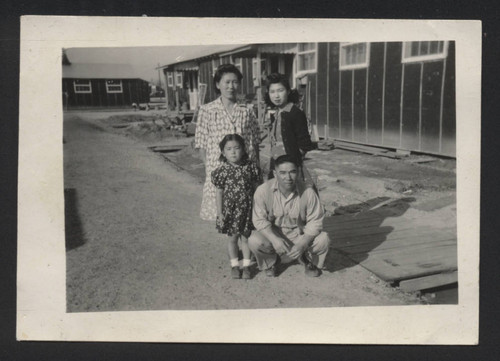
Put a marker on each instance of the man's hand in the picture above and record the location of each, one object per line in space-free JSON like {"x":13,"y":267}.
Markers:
{"x":280,"y":246}
{"x":297,"y":249}
{"x":300,"y":246}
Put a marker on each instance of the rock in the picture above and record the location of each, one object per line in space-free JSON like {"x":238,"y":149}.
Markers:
{"x":397,"y":186}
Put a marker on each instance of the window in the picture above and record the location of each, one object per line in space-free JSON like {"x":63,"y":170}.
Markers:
{"x":424,"y":51}
{"x":82,"y":86}
{"x":170,"y":79}
{"x":215,"y":65}
{"x":306,"y":58}
{"x":263,"y":71}
{"x":114,"y":86}
{"x":238,"y":64}
{"x":354,"y":56}
{"x":263,"y":65}
{"x":178,"y":79}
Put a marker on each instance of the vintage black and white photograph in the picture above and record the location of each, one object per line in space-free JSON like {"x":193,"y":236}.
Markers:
{"x":373,"y":125}
{"x":259,"y":175}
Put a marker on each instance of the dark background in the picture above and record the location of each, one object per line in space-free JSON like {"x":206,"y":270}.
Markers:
{"x":487,"y":11}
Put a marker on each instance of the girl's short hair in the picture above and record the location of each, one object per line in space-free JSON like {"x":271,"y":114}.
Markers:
{"x":237,"y":138}
{"x":223,"y":69}
{"x":277,"y":78}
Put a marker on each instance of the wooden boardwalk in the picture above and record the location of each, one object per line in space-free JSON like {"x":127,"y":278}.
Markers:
{"x":395,"y":248}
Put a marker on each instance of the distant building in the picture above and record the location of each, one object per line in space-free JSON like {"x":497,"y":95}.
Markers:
{"x":87,"y":85}
{"x":392,"y":94}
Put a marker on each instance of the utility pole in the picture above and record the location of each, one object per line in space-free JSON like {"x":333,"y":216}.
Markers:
{"x":159,"y":77}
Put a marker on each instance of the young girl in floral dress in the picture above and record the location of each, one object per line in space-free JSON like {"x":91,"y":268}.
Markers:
{"x":235,"y":180}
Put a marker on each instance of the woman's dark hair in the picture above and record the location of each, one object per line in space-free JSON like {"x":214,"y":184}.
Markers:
{"x":277,"y":78}
{"x":237,"y":138}
{"x":223,"y":69}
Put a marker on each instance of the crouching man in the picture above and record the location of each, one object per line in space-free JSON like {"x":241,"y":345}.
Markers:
{"x":288,"y":219}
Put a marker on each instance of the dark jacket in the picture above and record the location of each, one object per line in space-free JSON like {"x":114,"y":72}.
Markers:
{"x":295,"y":133}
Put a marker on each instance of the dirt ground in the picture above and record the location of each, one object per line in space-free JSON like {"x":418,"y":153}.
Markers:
{"x":135,"y":241}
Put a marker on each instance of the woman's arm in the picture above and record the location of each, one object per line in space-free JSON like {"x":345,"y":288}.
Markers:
{"x":202,"y":133}
{"x":203,"y":156}
{"x":302,"y":132}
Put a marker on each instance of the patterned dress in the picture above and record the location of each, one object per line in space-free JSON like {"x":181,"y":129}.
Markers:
{"x":238,"y":183}
{"x":214,"y":122}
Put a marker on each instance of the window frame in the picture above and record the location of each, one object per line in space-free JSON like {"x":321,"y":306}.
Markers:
{"x":238,"y":63}
{"x":177,"y":82}
{"x":263,"y":66}
{"x":170,"y":79}
{"x":427,"y":57}
{"x":363,"y":65}
{"x":300,"y":73}
{"x":89,"y":91}
{"x":108,"y":91}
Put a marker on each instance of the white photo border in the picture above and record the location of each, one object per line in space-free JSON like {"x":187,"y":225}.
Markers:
{"x":41,"y":301}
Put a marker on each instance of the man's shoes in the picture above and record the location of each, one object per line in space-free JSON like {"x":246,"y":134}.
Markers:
{"x":311,"y":270}
{"x":235,"y":272}
{"x":273,"y":270}
{"x":246,"y":274}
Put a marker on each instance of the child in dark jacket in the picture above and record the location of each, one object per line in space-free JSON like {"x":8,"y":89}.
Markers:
{"x":289,"y":133}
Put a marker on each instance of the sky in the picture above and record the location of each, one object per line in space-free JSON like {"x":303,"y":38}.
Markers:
{"x":144,"y":60}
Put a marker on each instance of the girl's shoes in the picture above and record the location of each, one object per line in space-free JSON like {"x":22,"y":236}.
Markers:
{"x":235,"y":272}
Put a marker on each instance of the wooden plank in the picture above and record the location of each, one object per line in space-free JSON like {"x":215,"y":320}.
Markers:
{"x":382,"y":154}
{"x":422,"y":283}
{"x":394,"y":246}
{"x":382,"y":241}
{"x":361,"y":146}
{"x":358,"y":231}
{"x":422,"y":160}
{"x":409,"y":264}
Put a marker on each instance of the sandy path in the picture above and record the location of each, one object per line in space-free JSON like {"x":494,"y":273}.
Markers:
{"x":136,"y":242}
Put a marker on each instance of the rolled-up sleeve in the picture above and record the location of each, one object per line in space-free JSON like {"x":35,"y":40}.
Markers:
{"x":315,"y":213}
{"x":201,"y":133}
{"x":259,"y":212}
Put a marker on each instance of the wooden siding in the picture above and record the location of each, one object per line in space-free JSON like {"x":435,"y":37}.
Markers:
{"x":392,"y":96}
{"x":388,"y":103}
{"x":133,"y":91}
{"x":411,"y":106}
{"x":375,"y":89}
{"x":448,"y":143}
{"x":321,"y":90}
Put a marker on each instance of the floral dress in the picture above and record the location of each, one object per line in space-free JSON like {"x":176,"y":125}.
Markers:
{"x":214,"y":122}
{"x":238,"y":183}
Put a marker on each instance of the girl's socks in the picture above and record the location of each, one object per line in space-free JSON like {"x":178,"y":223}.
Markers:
{"x":234,"y":262}
{"x":246,"y":262}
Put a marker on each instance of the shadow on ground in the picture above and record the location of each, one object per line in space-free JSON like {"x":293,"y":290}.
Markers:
{"x":73,"y":225}
{"x":357,"y":229}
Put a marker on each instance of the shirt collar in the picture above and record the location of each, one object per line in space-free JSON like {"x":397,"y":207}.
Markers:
{"x":237,"y":106}
{"x":287,"y":107}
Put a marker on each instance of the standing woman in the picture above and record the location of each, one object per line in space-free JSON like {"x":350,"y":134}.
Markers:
{"x":215,"y":120}
{"x":289,"y":133}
